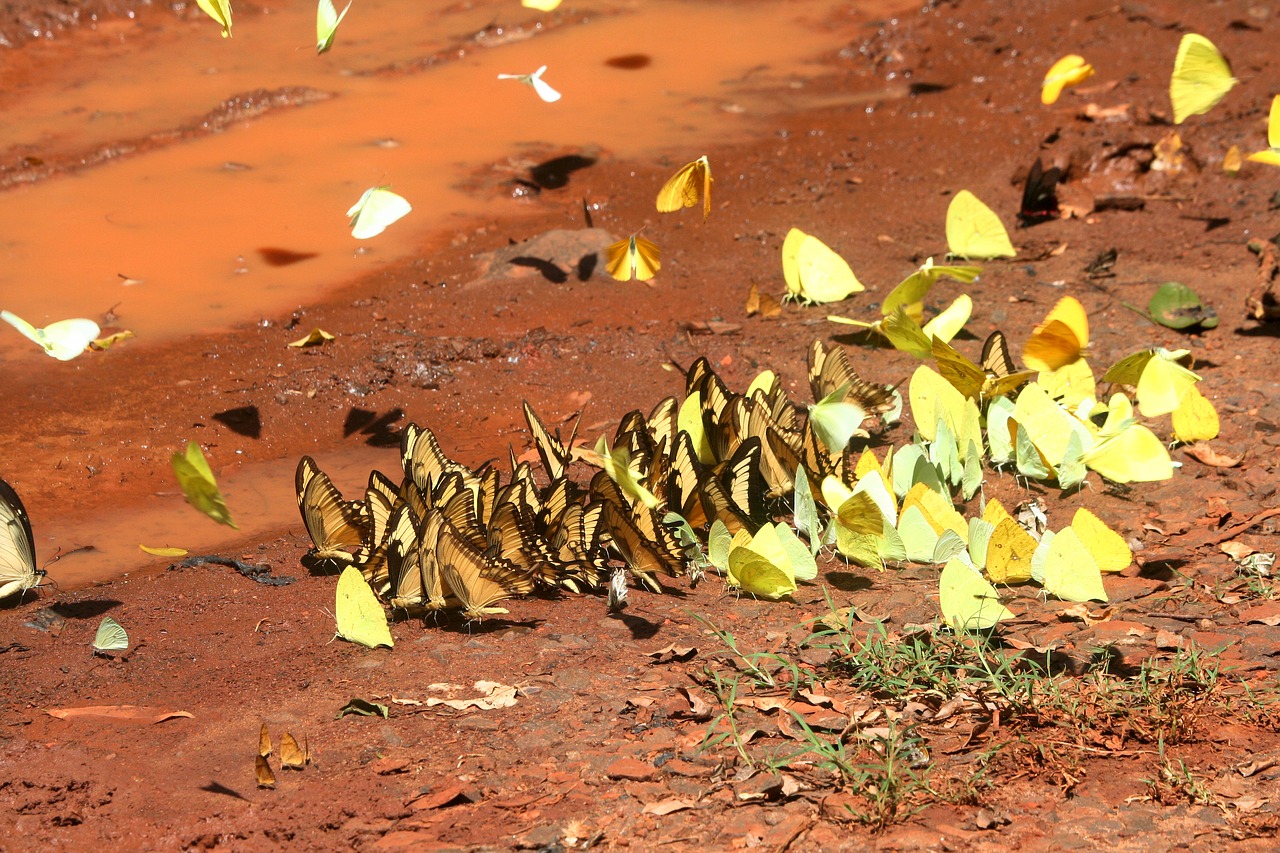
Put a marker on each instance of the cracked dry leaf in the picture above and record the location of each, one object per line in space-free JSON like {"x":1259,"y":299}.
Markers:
{"x":495,"y":696}
{"x":673,"y":653}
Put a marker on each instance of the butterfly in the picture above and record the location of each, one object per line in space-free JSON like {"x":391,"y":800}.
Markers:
{"x":1233,"y":160}
{"x":535,"y":81}
{"x":1195,"y":419}
{"x":333,"y":524}
{"x":292,"y":756}
{"x":1108,"y":548}
{"x":1040,"y":195}
{"x":974,"y":230}
{"x":327,"y":20}
{"x":426,"y":464}
{"x":18,"y":572}
{"x":266,"y":779}
{"x":359,"y":615}
{"x":1272,"y":154}
{"x":540,"y":5}
{"x":477,"y":581}
{"x":968,"y":602}
{"x":376,"y":209}
{"x":769,"y":563}
{"x":641,"y":555}
{"x":682,"y":189}
{"x":1062,"y":338}
{"x":111,"y":637}
{"x":554,"y":453}
{"x":196,"y":479}
{"x":220,"y":11}
{"x":1160,"y":381}
{"x":829,"y":369}
{"x":1070,"y":572}
{"x":1201,"y":78}
{"x":813,"y":272}
{"x":634,"y":257}
{"x":1070,"y":70}
{"x":995,"y":377}
{"x":63,"y":340}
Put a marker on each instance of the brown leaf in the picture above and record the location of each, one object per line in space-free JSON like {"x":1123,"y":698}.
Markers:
{"x":445,"y":796}
{"x":128,"y":713}
{"x":1265,"y":762}
{"x":673,"y":653}
{"x":1202,"y":452}
{"x":712,"y":327}
{"x":699,"y":708}
{"x":666,"y":807}
{"x":1267,"y":613}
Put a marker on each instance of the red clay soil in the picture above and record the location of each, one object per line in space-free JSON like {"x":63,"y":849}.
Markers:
{"x":602,"y":747}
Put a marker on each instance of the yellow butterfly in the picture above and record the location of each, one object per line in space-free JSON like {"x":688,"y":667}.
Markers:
{"x":334,"y":524}
{"x":1070,"y":70}
{"x":220,"y":11}
{"x":266,"y":779}
{"x":1009,"y":552}
{"x":1109,"y":550}
{"x":63,"y":340}
{"x":360,"y":617}
{"x":1070,"y":572}
{"x":292,"y":756}
{"x":376,"y":209}
{"x":1160,"y":380}
{"x":996,"y":377}
{"x":540,"y":5}
{"x":1272,"y":154}
{"x":475,"y":579}
{"x":1195,"y":419}
{"x":1201,"y":78}
{"x":1062,"y":338}
{"x":974,"y":230}
{"x":327,"y":20}
{"x":682,"y":189}
{"x":820,"y":274}
{"x":634,"y":257}
{"x":201,"y":489}
{"x":1126,"y":451}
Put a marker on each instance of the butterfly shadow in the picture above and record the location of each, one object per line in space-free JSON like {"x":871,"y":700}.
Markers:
{"x":554,"y":174}
{"x":848,"y":581}
{"x":549,"y":271}
{"x":376,"y":427}
{"x":243,"y":420}
{"x":219,"y":788}
{"x":640,"y":627}
{"x":89,"y":609}
{"x":1262,"y":330}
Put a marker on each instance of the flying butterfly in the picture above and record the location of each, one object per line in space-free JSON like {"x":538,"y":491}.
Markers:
{"x":18,"y":572}
{"x":333,"y":524}
{"x":63,"y":340}
{"x":535,"y":82}
{"x":1272,"y":154}
{"x":633,"y":257}
{"x":1040,"y":195}
{"x":477,"y":581}
{"x":1061,"y":339}
{"x":198,"y":484}
{"x":682,"y":189}
{"x":220,"y":11}
{"x":1070,"y":70}
{"x":995,"y":377}
{"x":377,"y":208}
{"x":327,"y":20}
{"x":1201,"y":78}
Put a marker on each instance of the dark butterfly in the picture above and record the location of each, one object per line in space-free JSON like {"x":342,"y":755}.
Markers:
{"x":1040,"y":195}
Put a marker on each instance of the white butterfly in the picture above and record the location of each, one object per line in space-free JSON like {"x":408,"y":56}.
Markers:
{"x":375,"y":210}
{"x":18,"y":572}
{"x":64,"y":340}
{"x":535,"y":80}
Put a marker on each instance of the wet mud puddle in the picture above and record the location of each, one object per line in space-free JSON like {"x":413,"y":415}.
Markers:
{"x":182,"y":231}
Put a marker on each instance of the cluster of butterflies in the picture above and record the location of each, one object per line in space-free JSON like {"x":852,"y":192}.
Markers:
{"x":292,"y":756}
{"x":1201,"y":79}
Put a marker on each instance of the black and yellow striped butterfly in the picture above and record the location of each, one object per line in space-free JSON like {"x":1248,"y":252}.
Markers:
{"x":639,"y":553}
{"x":424,"y":461}
{"x":333,"y":524}
{"x":18,"y":572}
{"x":995,"y":377}
{"x":554,"y":453}
{"x":829,"y":369}
{"x":477,"y":581}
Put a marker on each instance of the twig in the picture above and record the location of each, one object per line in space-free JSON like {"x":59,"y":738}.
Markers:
{"x":260,"y":573}
{"x":1233,"y":532}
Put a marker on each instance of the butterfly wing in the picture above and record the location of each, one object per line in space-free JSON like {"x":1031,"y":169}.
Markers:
{"x":199,"y":486}
{"x":376,"y":209}
{"x":1040,"y":195}
{"x":18,"y":571}
{"x":360,"y":617}
{"x":111,"y":636}
{"x":220,"y":11}
{"x":974,"y":230}
{"x":327,"y":20}
{"x":332,"y":523}
{"x":683,"y":188}
{"x":1201,"y":78}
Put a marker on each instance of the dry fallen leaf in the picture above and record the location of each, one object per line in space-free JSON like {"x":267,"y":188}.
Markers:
{"x":129,"y":713}
{"x":495,"y":696}
{"x":673,"y":653}
{"x":1202,"y":452}
{"x":699,"y":708}
{"x":164,"y":552}
{"x":666,"y":807}
{"x":105,"y":343}
{"x":712,"y":327}
{"x":316,"y":337}
{"x":763,"y":304}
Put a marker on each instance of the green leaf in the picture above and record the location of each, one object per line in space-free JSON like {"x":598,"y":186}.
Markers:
{"x":1177,"y":306}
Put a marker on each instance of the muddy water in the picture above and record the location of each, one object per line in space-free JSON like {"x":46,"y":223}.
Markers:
{"x":187,"y":235}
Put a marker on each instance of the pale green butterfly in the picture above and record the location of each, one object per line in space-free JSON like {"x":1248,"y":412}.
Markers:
{"x":835,"y":420}
{"x":327,"y":20}
{"x":967,"y":600}
{"x":376,"y":209}
{"x":64,"y":340}
{"x":534,"y":80}
{"x":111,"y":637}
